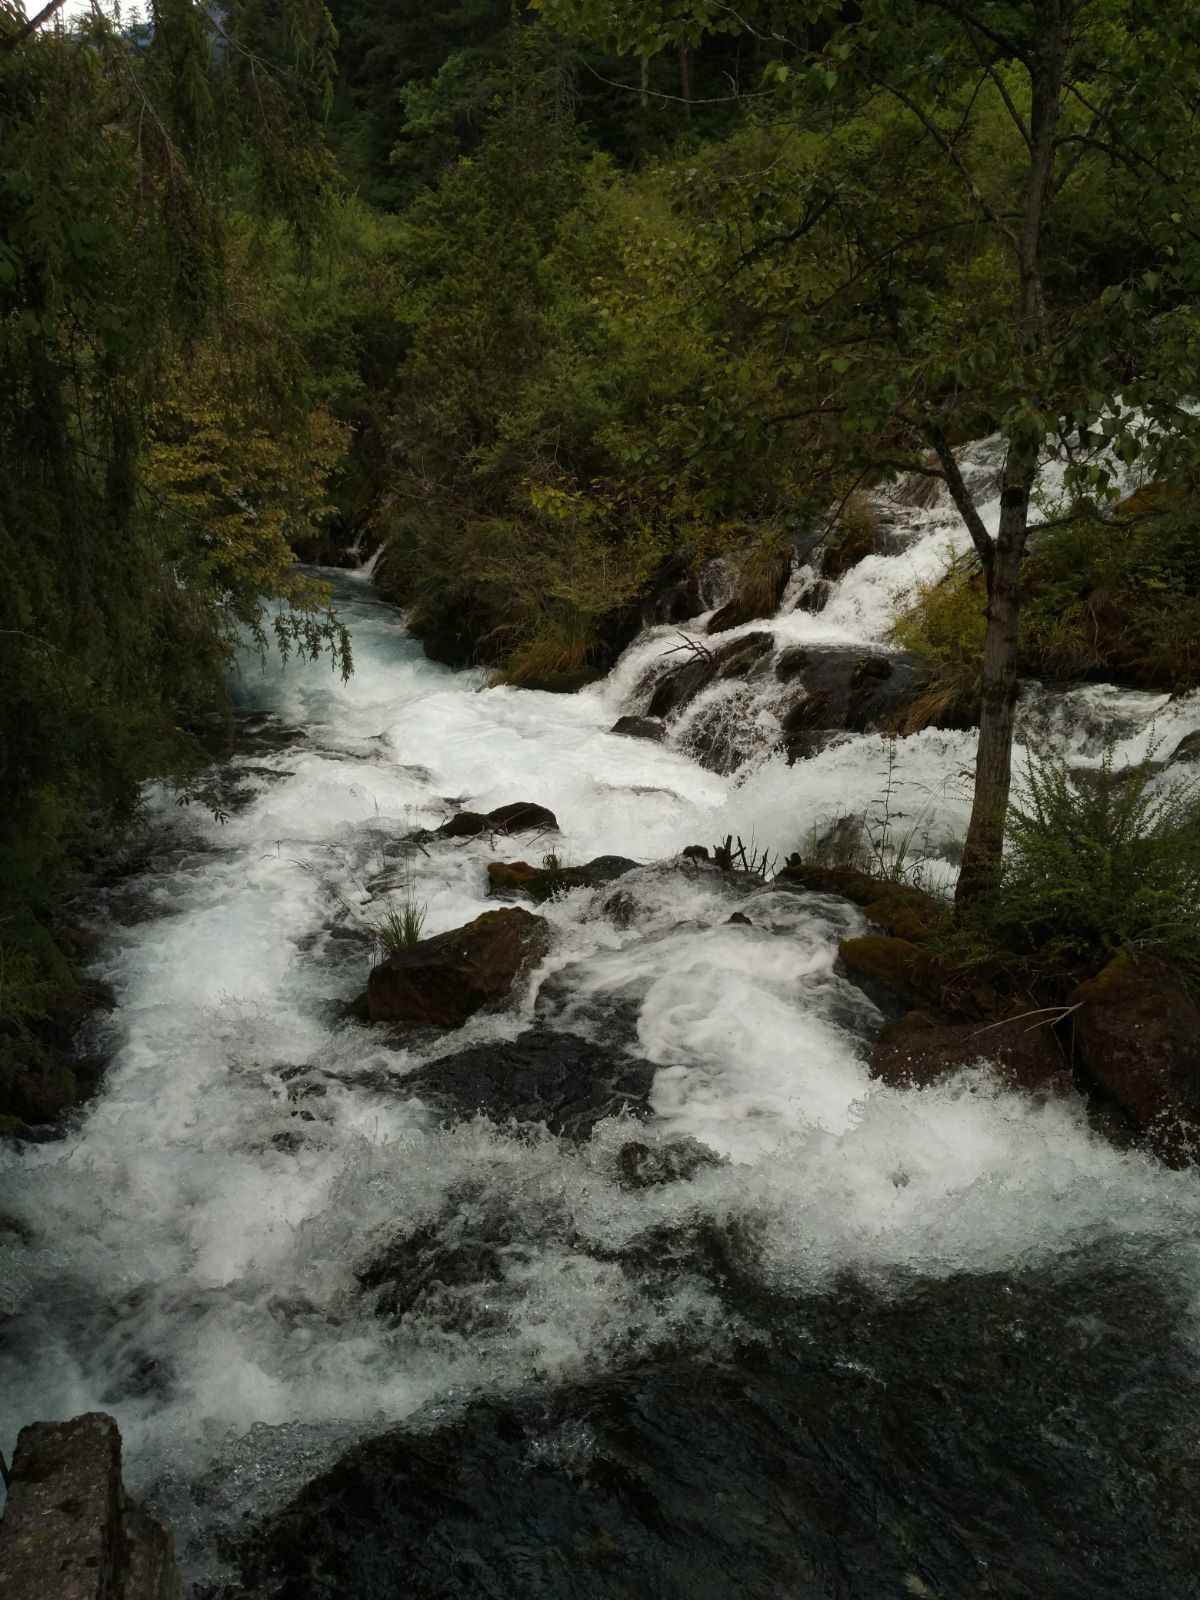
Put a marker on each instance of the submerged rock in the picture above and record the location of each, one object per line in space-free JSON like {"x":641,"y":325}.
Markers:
{"x":871,"y":1446}
{"x":442,"y":981}
{"x":643,"y":1166}
{"x":1137,"y":1039}
{"x":542,"y":1076}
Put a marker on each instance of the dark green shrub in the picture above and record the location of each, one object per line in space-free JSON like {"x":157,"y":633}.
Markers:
{"x":1097,"y":862}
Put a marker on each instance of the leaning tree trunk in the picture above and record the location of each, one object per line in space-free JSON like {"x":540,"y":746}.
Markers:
{"x":998,"y":707}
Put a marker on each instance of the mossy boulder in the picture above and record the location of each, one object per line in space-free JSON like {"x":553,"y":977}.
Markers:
{"x":898,"y":909}
{"x":440,"y":982}
{"x":542,"y":883}
{"x":1137,"y":1041}
{"x":890,"y":969}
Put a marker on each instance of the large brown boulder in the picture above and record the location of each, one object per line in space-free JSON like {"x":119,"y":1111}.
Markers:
{"x":442,"y":981}
{"x":1137,"y":1039}
{"x":70,"y":1532}
{"x":921,"y":1048}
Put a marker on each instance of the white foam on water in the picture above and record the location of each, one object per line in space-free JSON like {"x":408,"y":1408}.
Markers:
{"x":186,"y":1257}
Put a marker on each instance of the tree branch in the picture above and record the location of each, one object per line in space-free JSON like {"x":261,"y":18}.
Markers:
{"x":962,"y":14}
{"x":10,"y":41}
{"x":938,"y":135}
{"x":980,"y":537}
{"x":1009,"y":104}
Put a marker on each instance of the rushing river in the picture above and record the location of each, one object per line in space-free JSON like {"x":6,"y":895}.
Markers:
{"x":936,"y":1342}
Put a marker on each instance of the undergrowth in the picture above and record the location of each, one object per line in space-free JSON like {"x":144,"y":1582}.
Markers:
{"x":1097,"y":862}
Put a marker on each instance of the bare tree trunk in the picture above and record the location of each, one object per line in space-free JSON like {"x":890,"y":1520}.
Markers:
{"x":685,"y":79}
{"x":993,"y":762}
{"x":644,"y":81}
{"x":984,"y":845}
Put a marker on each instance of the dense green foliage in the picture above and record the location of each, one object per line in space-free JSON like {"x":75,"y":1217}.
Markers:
{"x":158,"y":446}
{"x":1100,"y":862}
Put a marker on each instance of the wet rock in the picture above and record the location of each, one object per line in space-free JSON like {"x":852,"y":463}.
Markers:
{"x":922,"y":1047}
{"x":639,"y":728}
{"x":442,"y":981}
{"x":906,"y":1443}
{"x":522,"y":816}
{"x":643,"y":1166}
{"x":791,"y":662}
{"x":1137,"y":1039}
{"x":1187,"y":750}
{"x":545,"y":882}
{"x":464,"y":825}
{"x":736,"y":659}
{"x":844,"y":689}
{"x":739,"y":919}
{"x":542,"y":1076}
{"x":70,"y":1532}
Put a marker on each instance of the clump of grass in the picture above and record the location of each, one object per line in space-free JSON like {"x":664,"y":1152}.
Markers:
{"x":1098,"y":862}
{"x":763,"y":575}
{"x":398,"y":927}
{"x":945,"y":628}
{"x":558,"y":652}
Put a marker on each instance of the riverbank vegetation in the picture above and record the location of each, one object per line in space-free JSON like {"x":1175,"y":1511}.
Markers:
{"x":541,"y":302}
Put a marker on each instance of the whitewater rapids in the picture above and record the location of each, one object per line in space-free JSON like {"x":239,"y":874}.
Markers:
{"x":185,"y":1257}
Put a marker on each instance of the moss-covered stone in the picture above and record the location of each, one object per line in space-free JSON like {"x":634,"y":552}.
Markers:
{"x":1137,"y":1043}
{"x":440,"y":982}
{"x":544,"y":883}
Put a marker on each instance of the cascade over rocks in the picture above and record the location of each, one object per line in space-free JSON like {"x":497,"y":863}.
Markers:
{"x":733,"y":660}
{"x":440,"y":982}
{"x":1137,"y":1039}
{"x":542,"y":1076}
